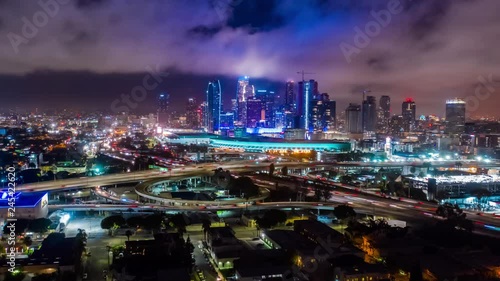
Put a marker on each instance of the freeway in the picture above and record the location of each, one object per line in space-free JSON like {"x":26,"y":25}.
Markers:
{"x":404,"y":209}
{"x":149,"y":174}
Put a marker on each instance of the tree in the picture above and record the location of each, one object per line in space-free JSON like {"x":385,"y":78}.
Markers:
{"x":271,"y":169}
{"x":128,"y":233}
{"x":243,"y":187}
{"x":284,"y":171}
{"x":179,"y":222}
{"x":112,"y":223}
{"x":416,"y":273}
{"x":135,"y":221}
{"x":17,"y":275}
{"x":276,"y":217}
{"x":205,"y":225}
{"x":153,"y":222}
{"x":27,"y":241}
{"x":342,"y":212}
{"x":40,"y":225}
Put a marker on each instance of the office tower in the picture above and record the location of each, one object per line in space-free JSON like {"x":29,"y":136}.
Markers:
{"x":227,"y":121}
{"x":214,"y":104}
{"x":408,"y":112}
{"x":455,"y":116}
{"x":204,"y":115}
{"x":307,"y":91}
{"x":234,"y":106}
{"x":396,"y":125}
{"x":290,"y":97}
{"x":255,"y":112}
{"x":268,"y":101}
{"x":192,"y":113}
{"x":384,"y":114}
{"x":244,"y":91}
{"x":163,"y":113}
{"x":353,"y":119}
{"x":323,"y":113}
{"x":369,"y":114}
{"x":330,"y":116}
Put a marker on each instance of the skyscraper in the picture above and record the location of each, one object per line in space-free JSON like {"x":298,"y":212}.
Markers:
{"x":214,"y":105}
{"x":323,"y":113}
{"x":227,"y":121}
{"x":255,"y":112}
{"x":455,"y":116}
{"x":408,"y":112}
{"x":192,"y":113}
{"x":268,"y":100}
{"x":205,"y":122}
{"x":353,"y":119}
{"x":244,"y":91}
{"x":369,"y":114}
{"x":307,"y":91}
{"x":163,"y":113}
{"x":384,"y":115}
{"x":290,"y":97}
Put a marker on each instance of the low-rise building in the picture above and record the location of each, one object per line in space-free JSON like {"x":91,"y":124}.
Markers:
{"x":325,"y":237}
{"x":262,"y":265}
{"x":26,"y":205}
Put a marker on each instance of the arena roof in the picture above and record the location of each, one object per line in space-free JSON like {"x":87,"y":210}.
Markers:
{"x":267,"y":144}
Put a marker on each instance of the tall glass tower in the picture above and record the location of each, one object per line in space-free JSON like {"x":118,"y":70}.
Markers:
{"x":163,"y":109}
{"x":408,"y":111}
{"x":214,"y":106}
{"x":455,"y":116}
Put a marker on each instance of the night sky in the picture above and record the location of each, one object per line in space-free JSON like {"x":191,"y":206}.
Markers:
{"x":89,"y":52}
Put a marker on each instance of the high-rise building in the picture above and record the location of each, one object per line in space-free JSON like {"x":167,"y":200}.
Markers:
{"x":384,"y":114}
{"x":255,"y":112}
{"x":455,"y":116}
{"x":369,"y":114}
{"x":268,"y":101}
{"x":244,"y":91}
{"x":307,"y":91}
{"x":163,"y":112}
{"x":290,"y":104}
{"x":234,"y":106}
{"x":192,"y":120}
{"x":396,"y":125}
{"x":214,"y":105}
{"x":205,"y":122}
{"x":353,"y":119}
{"x":323,"y":113}
{"x":408,"y":111}
{"x":227,"y":121}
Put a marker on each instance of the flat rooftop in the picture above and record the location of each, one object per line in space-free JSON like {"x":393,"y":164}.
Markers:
{"x":22,"y":199}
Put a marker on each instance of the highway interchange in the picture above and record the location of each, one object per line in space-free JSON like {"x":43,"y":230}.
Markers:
{"x":364,"y":202}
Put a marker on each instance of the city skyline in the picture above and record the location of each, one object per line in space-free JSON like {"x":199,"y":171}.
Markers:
{"x":65,"y":60}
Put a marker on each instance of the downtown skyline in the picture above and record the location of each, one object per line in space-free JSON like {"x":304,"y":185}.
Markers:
{"x":96,"y":50}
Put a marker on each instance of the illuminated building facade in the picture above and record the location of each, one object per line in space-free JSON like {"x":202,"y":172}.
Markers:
{"x":163,"y":113}
{"x":455,"y":116}
{"x":409,"y":111}
{"x":214,"y":106}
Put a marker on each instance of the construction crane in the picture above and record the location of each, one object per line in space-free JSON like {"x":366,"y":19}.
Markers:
{"x":304,"y":73}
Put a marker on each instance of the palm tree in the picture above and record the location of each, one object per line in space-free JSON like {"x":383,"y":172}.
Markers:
{"x":205,"y":225}
{"x":128,"y":233}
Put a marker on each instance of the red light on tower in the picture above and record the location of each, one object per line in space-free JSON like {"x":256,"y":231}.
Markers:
{"x":409,"y":100}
